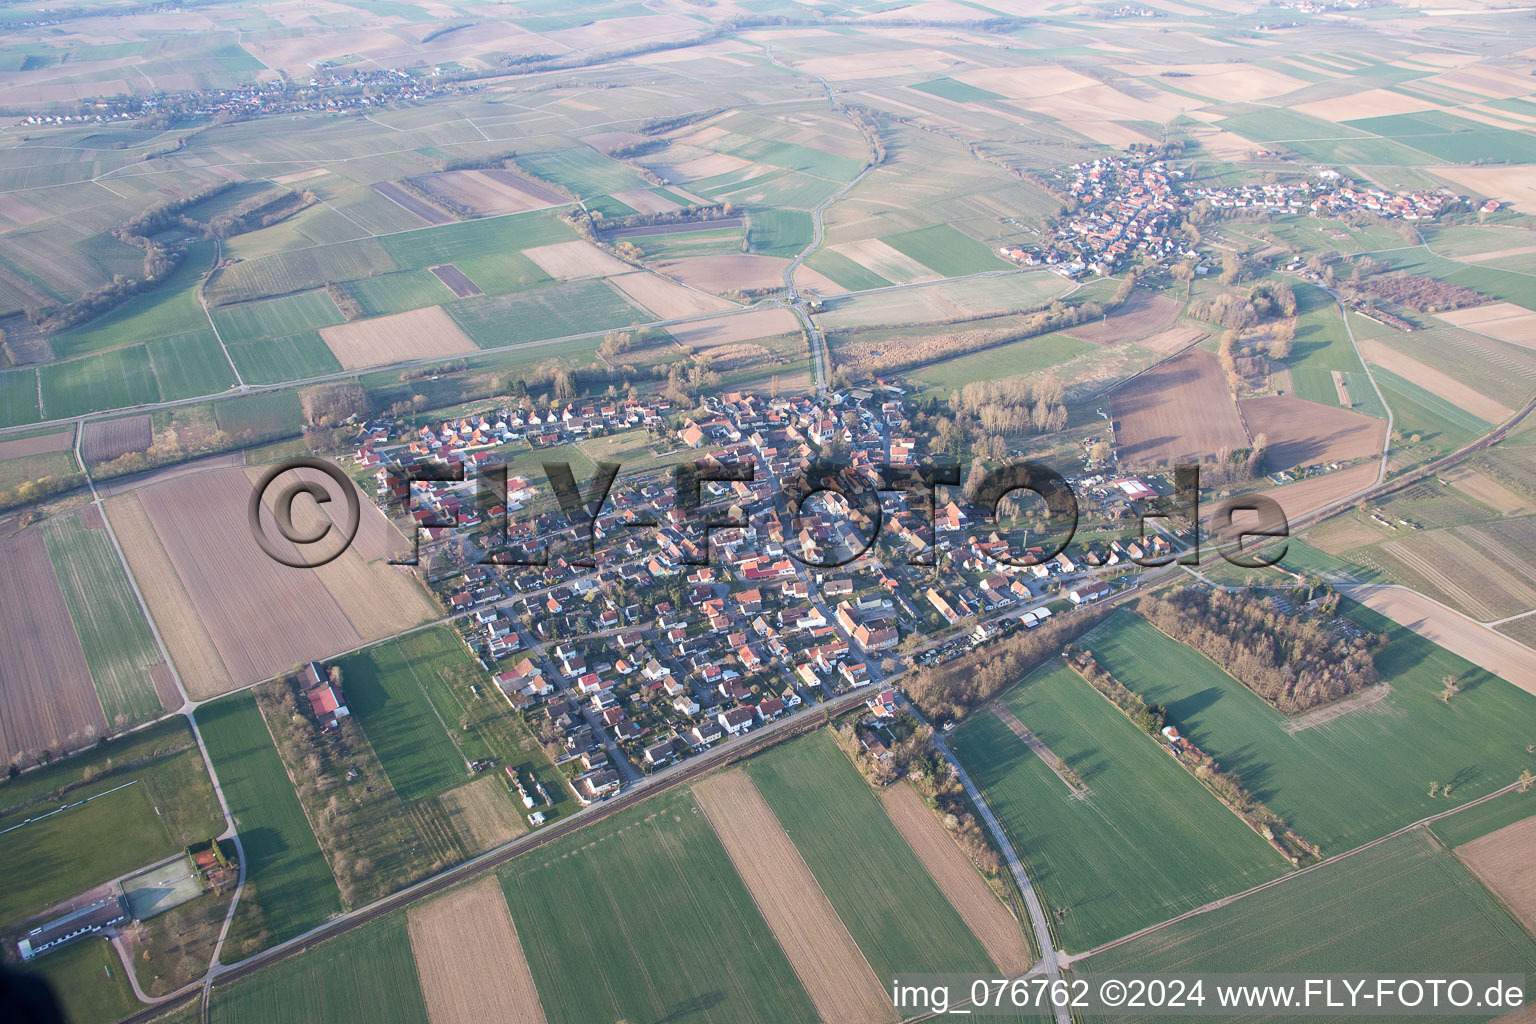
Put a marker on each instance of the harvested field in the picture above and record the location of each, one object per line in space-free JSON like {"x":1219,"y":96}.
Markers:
{"x":727,"y":330}
{"x":105,"y":440}
{"x":1504,"y":321}
{"x":996,"y":927}
{"x":412,"y":203}
{"x":1314,"y":492}
{"x":1174,"y":339}
{"x":1483,"y":488}
{"x":1341,"y":389}
{"x":1498,"y":254}
{"x":1503,"y":862}
{"x":1143,"y":314}
{"x":1303,"y":433}
{"x":261,"y":617}
{"x":828,"y":962}
{"x":1442,"y":385}
{"x":707,"y":166}
{"x":645,"y":200}
{"x":1514,"y":185}
{"x":47,"y":701}
{"x":418,"y":334}
{"x":1483,"y":647}
{"x":1111,"y":133}
{"x":42,"y":444}
{"x":190,"y":646}
{"x":881,"y":259}
{"x":457,"y":281}
{"x":1366,"y":103}
{"x":666,"y":299}
{"x":482,"y":812}
{"x":491,"y":193}
{"x":1177,"y":410}
{"x":574,"y":260}
{"x":734,"y":270}
{"x":470,"y":961}
{"x":293,"y":176}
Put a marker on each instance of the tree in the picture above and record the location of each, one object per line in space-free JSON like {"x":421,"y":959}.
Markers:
{"x":1451,"y":688}
{"x":1524,"y":781}
{"x":1434,"y":787}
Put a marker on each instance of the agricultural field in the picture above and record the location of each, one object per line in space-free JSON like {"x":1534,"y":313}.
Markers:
{"x":1322,"y":347}
{"x":1486,"y":818}
{"x":1177,"y":411}
{"x":1144,"y":843}
{"x":89,"y":981}
{"x":418,"y":334}
{"x":1502,"y":862}
{"x":944,"y":301}
{"x":1404,"y":906}
{"x":945,"y":251}
{"x":556,"y":311}
{"x":469,"y":959}
{"x":18,"y":398}
{"x":105,"y":440}
{"x":1302,"y":433}
{"x":367,"y":976}
{"x":397,"y":293}
{"x":879,"y":888}
{"x":111,"y":380}
{"x":129,"y":673}
{"x":275,"y":318}
{"x":289,"y":888}
{"x":47,"y":703}
{"x":385,"y":692}
{"x":152,"y":809}
{"x":650,"y":894}
{"x":1343,"y":780}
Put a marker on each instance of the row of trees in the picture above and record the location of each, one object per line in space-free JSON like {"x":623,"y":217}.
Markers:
{"x":1295,"y":663}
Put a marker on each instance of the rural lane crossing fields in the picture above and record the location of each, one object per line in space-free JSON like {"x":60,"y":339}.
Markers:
{"x":642,"y":917}
{"x":366,"y":976}
{"x":1404,"y":907}
{"x":891,"y":906}
{"x":1147,"y":842}
{"x":1351,"y":778}
{"x":289,"y":887}
{"x":469,"y":959}
{"x":108,"y":621}
{"x":47,"y":701}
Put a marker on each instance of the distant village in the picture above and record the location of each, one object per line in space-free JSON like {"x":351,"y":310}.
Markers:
{"x":1131,"y":206}
{"x":667,"y":644}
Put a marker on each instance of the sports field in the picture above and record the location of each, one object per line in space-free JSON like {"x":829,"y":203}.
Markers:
{"x":1349,"y":779}
{"x":151,"y":810}
{"x":289,"y":887}
{"x":116,"y":640}
{"x":879,"y":888}
{"x":1404,"y":907}
{"x":650,"y":895}
{"x":90,"y":982}
{"x":1146,"y":843}
{"x":384,"y":691}
{"x":366,"y":976}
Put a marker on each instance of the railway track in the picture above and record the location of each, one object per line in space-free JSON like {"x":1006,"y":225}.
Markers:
{"x":753,"y":743}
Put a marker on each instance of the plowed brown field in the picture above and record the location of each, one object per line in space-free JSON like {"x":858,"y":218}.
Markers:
{"x":1178,"y":411}
{"x":958,"y":879}
{"x":1303,"y":433}
{"x":47,"y":701}
{"x":470,"y":961}
{"x":1504,"y":863}
{"x":829,"y":963}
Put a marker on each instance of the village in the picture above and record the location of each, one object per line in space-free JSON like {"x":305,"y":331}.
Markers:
{"x":1134,"y":206}
{"x":661,"y":639}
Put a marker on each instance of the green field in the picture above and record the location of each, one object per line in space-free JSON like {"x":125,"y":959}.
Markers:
{"x":946,"y":251}
{"x":276,"y":318}
{"x":366,"y":976}
{"x":450,"y":243}
{"x":1417,"y":410}
{"x":58,"y":465}
{"x":1476,"y":822}
{"x":1007,"y":360}
{"x":167,"y":803}
{"x":779,"y":232}
{"x":498,"y":273}
{"x":642,"y":917}
{"x":577,"y":307}
{"x":1281,"y":125}
{"x":582,"y":170}
{"x":88,"y":980}
{"x":118,"y":646}
{"x":960,"y":92}
{"x":889,"y":902}
{"x":1360,"y":775}
{"x":267,"y":415}
{"x":396,"y":293}
{"x":845,"y":271}
{"x":275,"y":360}
{"x":1146,"y":844}
{"x":1322,"y":345}
{"x":385,"y":693}
{"x":110,"y":380}
{"x":169,"y":309}
{"x":190,"y":365}
{"x":18,"y":398}
{"x":1405,"y":907}
{"x":289,"y":887}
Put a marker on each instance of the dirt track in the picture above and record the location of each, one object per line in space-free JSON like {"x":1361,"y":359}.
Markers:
{"x":828,"y":962}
